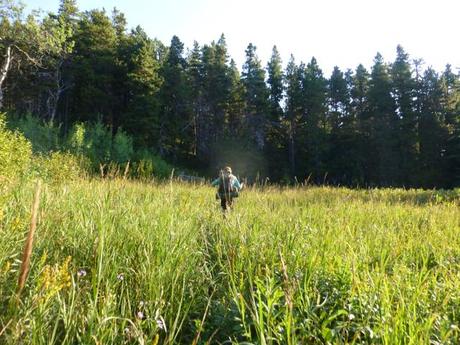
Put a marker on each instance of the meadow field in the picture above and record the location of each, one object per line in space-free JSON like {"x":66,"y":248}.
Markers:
{"x":125,"y":262}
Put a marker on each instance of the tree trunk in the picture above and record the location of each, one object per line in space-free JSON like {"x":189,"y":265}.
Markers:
{"x":4,"y":72}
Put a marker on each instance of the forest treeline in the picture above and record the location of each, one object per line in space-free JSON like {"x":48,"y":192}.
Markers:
{"x":397,"y":124}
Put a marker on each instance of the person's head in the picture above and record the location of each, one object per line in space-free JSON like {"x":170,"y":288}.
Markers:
{"x":227,"y":170}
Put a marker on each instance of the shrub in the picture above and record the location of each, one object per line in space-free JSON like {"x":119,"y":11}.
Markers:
{"x":92,"y":141}
{"x":147,"y":165}
{"x":15,"y":152}
{"x":59,"y":166}
{"x":43,"y":136}
{"x":76,"y":139}
{"x":122,"y":147}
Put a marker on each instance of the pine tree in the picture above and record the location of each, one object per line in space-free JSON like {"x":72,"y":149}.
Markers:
{"x":119,"y":23}
{"x":275,"y":148}
{"x":342,"y":136}
{"x":433,"y":133}
{"x":256,"y":97}
{"x":359,"y":110}
{"x":293,"y":110}
{"x":384,"y":127}
{"x":68,"y":10}
{"x":403,"y":86}
{"x":140,"y":88}
{"x":195,"y":78}
{"x":176,"y":122}
{"x":236,"y":104}
{"x":315,"y":131}
{"x":450,"y":100}
{"x":217,"y":84}
{"x":93,"y":69}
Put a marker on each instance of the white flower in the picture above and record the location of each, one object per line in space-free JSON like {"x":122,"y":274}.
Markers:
{"x":161,"y":324}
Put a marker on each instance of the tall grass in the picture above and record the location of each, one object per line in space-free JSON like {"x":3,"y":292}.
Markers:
{"x":122,"y":262}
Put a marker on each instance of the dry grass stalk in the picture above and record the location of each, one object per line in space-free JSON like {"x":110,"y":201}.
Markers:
{"x":125,"y":174}
{"x":288,"y":289}
{"x":29,"y":242}
{"x":101,"y":169}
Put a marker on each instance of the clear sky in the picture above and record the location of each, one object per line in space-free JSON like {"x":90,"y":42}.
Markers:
{"x":336,"y":32}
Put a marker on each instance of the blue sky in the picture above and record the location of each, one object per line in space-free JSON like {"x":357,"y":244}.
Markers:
{"x":337,"y":32}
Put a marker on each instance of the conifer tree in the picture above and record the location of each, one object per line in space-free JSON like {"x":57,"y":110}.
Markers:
{"x":341,"y":138}
{"x":195,"y":78}
{"x":236,"y":104}
{"x":256,"y":96}
{"x":432,"y":132}
{"x":384,"y":128}
{"x":403,"y":93}
{"x":175,"y":126}
{"x":314,"y":133}
{"x":275,"y":148}
{"x":450,"y":100}
{"x":93,"y":68}
{"x":140,"y":87}
{"x":293,"y":110}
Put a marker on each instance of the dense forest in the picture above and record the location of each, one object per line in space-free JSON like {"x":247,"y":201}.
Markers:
{"x":397,"y":124}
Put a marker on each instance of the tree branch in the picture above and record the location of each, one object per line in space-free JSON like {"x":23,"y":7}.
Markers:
{"x":31,"y":59}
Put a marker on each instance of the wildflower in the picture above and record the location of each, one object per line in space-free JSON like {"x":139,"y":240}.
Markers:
{"x":141,"y":303}
{"x":81,"y":273}
{"x":120,"y":276}
{"x":351,"y":317}
{"x":161,"y":324}
{"x":7,"y":267}
{"x":140,"y":315}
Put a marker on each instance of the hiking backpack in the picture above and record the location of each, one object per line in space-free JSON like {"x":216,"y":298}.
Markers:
{"x":226,"y":185}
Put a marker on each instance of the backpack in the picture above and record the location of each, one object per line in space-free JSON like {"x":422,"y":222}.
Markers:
{"x":226,"y":185}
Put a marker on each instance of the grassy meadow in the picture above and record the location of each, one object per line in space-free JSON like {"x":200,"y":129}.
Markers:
{"x":123,"y":262}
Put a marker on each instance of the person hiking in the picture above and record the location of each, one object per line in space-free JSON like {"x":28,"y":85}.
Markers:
{"x":228,"y":188}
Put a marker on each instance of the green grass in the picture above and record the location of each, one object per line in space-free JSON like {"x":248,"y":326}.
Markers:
{"x":287,"y":266}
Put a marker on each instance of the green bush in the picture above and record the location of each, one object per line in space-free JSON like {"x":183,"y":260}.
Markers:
{"x":92,"y":141}
{"x":122,"y":147}
{"x":59,"y":166}
{"x":15,"y":153}
{"x":44,"y":136}
{"x":147,"y":165}
{"x":76,"y":139}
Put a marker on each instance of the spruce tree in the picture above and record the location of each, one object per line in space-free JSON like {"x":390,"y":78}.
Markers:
{"x":236,"y":104}
{"x":450,"y":100}
{"x":140,"y":88}
{"x":314,"y":133}
{"x":275,"y":147}
{"x":342,"y":137}
{"x":403,"y":91}
{"x":384,"y":126}
{"x":175,"y":126}
{"x":293,"y":110}
{"x":94,"y":63}
{"x":256,"y":96}
{"x":433,"y":132}
{"x":359,"y":111}
{"x":200,"y":146}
